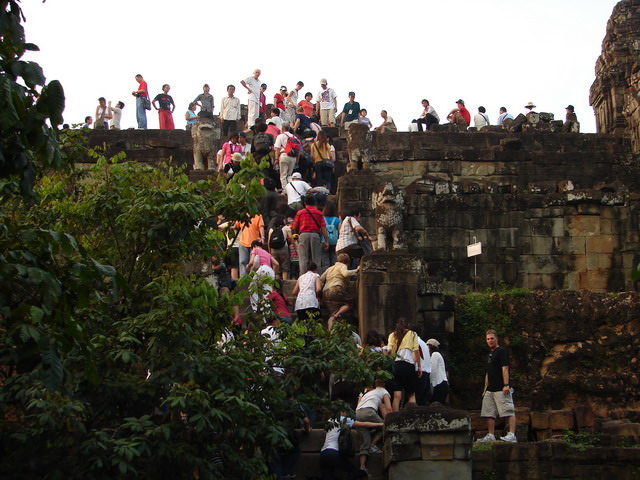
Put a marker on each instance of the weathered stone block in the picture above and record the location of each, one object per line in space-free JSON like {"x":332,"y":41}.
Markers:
{"x":583,"y":226}
{"x":598,"y":261}
{"x":460,"y":470}
{"x":596,"y":280}
{"x":540,"y":420}
{"x":601,"y":243}
{"x":584,"y":417}
{"x":561,"y":420}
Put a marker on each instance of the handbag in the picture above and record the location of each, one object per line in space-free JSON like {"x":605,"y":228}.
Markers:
{"x":146,"y":103}
{"x":324,"y":162}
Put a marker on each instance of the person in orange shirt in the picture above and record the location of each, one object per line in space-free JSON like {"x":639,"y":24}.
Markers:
{"x":248,"y":233}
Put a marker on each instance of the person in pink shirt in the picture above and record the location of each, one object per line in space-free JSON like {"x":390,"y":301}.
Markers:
{"x":259,"y":256}
{"x":229,"y":148}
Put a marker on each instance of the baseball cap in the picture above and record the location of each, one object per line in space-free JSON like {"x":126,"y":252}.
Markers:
{"x":434,"y":342}
{"x":296,"y":175}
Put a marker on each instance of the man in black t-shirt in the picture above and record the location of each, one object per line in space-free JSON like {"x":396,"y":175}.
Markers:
{"x":165,"y":111}
{"x":497,"y":400}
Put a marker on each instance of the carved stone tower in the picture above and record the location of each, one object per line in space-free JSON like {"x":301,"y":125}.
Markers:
{"x":615,"y":94}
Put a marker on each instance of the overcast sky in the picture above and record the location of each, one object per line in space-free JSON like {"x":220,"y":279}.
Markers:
{"x":392,"y":54}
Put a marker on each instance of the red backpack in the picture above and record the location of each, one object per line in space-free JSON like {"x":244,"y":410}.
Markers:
{"x":292,"y":148}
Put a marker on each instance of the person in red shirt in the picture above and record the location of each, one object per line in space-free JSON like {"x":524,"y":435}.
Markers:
{"x":460,"y":116}
{"x":278,"y":101}
{"x":306,"y":104}
{"x":309,"y":224}
{"x":142,"y":96}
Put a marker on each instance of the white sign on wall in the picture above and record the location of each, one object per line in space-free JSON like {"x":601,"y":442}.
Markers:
{"x":474,"y":249}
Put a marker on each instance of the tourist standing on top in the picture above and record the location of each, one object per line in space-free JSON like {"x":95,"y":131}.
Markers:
{"x":387,"y":125}
{"x":116,"y":115}
{"x":571,"y":123}
{"x":102,"y":114}
{"x":327,"y":105}
{"x":428,"y":117}
{"x":460,"y":116}
{"x":497,"y":398}
{"x":142,"y":100}
{"x":165,"y":108}
{"x":252,"y":84}
{"x":205,"y":100}
{"x":481,"y":118}
{"x":350,"y":111}
{"x":262,"y":98}
{"x":190,"y":116}
{"x":291,"y":103}
{"x":278,"y":102}
{"x":229,"y":112}
{"x":363,"y":120}
{"x":504,"y":116}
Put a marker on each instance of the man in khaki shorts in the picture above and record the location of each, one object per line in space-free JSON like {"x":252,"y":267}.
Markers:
{"x":497,"y":399}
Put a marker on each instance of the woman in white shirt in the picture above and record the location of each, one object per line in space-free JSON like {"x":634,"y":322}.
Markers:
{"x":374,"y":400}
{"x":439,"y":382}
{"x":306,"y":290}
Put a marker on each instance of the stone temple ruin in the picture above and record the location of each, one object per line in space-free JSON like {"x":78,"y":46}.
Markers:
{"x":555,"y":212}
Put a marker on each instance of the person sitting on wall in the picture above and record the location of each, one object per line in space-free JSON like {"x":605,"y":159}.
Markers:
{"x":387,"y":125}
{"x":428,"y":117}
{"x":571,"y":123}
{"x":460,"y":116}
{"x":504,"y":118}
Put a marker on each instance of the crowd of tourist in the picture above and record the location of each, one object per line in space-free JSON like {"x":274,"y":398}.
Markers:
{"x":298,"y":114}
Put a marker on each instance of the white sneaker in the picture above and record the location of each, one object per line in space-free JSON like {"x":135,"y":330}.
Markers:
{"x":509,"y":437}
{"x":374,"y":449}
{"x":489,"y":437}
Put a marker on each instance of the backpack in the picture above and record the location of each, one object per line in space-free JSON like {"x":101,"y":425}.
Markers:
{"x":292,"y":148}
{"x":262,"y":143}
{"x":277,"y":239}
{"x":345,"y":445}
{"x":332,"y":232}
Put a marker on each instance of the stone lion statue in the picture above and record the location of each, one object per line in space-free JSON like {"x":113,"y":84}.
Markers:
{"x":389,"y":206}
{"x":204,"y":137}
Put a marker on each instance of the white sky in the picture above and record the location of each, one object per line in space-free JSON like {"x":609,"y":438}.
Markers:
{"x":391,"y":53}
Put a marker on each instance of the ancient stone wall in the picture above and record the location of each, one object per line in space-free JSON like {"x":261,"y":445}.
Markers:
{"x":551,"y":210}
{"x":615,"y":94}
{"x":145,"y":146}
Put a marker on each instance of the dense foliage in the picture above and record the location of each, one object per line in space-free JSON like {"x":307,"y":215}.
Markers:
{"x":117,"y":361}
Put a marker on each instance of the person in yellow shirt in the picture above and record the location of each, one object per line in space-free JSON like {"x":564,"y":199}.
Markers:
{"x":403,"y":345}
